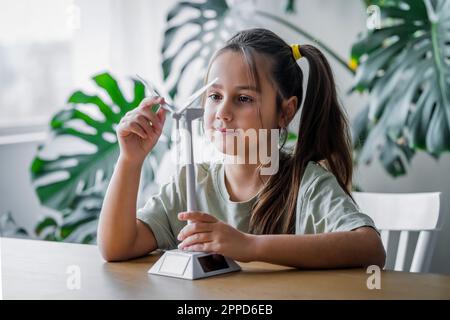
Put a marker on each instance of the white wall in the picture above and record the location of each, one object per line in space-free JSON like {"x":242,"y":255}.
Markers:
{"x":16,"y":192}
{"x":137,"y":39}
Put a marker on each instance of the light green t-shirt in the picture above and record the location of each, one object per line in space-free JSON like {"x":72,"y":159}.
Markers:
{"x":322,"y":205}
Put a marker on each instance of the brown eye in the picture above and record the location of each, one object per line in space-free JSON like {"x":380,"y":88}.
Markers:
{"x":245,"y":99}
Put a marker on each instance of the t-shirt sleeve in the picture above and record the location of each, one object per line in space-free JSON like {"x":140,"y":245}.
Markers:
{"x":160,"y":213}
{"x":325,"y":207}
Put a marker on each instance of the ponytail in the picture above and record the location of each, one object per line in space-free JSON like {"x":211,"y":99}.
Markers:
{"x":323,"y":131}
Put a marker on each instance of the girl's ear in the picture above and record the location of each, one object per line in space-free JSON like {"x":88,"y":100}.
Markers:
{"x":289,"y":107}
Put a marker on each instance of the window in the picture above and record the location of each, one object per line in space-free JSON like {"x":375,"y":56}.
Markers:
{"x":50,"y":48}
{"x":36,"y":44}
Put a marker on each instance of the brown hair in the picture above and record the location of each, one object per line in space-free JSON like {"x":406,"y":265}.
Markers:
{"x":323,"y":130}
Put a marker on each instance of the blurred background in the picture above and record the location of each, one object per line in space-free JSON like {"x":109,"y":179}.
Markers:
{"x":67,"y":75}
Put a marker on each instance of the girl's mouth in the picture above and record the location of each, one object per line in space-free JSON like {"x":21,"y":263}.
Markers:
{"x":225,"y":131}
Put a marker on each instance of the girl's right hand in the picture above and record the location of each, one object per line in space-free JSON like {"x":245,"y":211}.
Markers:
{"x":139,"y":130}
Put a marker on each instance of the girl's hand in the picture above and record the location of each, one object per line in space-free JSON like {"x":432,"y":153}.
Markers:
{"x":208,"y":234}
{"x":139,"y":130}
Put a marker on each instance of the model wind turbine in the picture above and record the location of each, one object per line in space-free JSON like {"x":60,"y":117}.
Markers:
{"x":187,"y":264}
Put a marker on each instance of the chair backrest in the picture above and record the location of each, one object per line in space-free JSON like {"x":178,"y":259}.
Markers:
{"x":406,"y":217}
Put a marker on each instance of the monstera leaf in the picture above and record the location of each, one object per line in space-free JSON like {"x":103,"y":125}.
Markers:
{"x":80,"y":171}
{"x":79,"y":221}
{"x":74,"y":181}
{"x":210,"y":32}
{"x":197,"y":29}
{"x":405,"y":67}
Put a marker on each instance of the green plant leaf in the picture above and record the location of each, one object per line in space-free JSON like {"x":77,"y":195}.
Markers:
{"x":45,"y":224}
{"x":211,"y":31}
{"x":360,"y":128}
{"x":78,"y":171}
{"x":396,"y":157}
{"x":193,"y":40}
{"x":290,"y":7}
{"x":81,"y":225}
{"x":405,"y":67}
{"x":80,"y":220}
{"x":291,"y":136}
{"x":81,"y":169}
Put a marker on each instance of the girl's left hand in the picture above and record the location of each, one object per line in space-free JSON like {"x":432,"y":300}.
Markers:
{"x":208,"y":234}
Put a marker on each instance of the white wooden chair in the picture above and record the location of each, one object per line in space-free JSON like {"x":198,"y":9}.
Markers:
{"x":406,"y":217}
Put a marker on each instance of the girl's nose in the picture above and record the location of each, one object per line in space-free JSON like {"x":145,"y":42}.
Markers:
{"x":224,"y":112}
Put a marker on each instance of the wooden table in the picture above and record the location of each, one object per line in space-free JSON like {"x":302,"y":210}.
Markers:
{"x":38,"y":270}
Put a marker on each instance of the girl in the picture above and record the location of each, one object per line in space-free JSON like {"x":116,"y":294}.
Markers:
{"x":301,"y":216}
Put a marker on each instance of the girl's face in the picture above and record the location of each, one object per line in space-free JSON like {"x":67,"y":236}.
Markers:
{"x":233,"y":102}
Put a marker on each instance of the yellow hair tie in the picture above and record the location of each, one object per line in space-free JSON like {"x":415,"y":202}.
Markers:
{"x":296,"y":51}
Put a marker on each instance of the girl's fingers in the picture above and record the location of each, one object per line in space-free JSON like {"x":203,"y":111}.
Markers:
{"x":202,"y":247}
{"x":136,"y":128}
{"x":151,"y":101}
{"x":142,"y":121}
{"x":196,"y":216}
{"x":148,"y":103}
{"x":195,"y":239}
{"x":193,"y":228}
{"x":144,"y":124}
{"x":150,"y":116}
{"x":161,"y":114}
